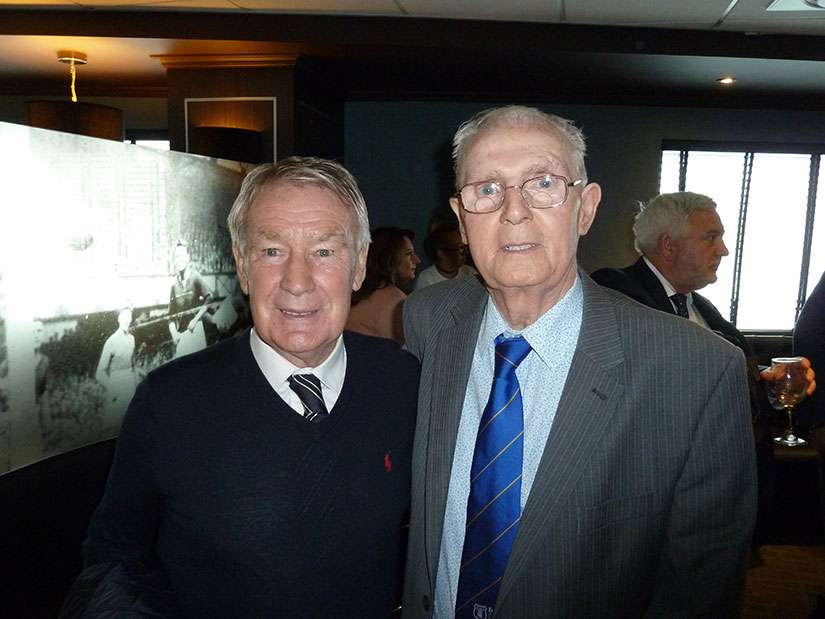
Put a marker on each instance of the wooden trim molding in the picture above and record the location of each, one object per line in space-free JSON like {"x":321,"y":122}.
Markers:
{"x":222,"y":61}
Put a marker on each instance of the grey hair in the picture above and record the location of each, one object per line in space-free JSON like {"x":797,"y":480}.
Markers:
{"x":312,"y":171}
{"x":667,"y":213}
{"x":516,"y":115}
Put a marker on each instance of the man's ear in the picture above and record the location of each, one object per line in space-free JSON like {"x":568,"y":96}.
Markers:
{"x":666,"y":246}
{"x":360,"y":268}
{"x":591,"y":196}
{"x":241,"y":268}
{"x":459,"y":214}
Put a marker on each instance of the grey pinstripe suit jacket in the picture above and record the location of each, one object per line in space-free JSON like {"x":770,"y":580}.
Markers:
{"x":645,"y":497}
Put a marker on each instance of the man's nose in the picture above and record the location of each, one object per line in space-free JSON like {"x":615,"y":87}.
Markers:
{"x":297,"y":277}
{"x":723,"y":249}
{"x":515,"y":209}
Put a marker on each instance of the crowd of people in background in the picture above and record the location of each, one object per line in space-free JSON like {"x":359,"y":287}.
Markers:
{"x":377,"y":307}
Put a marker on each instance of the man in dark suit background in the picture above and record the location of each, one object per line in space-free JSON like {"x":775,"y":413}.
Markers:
{"x":635,"y":492}
{"x":680,"y":237}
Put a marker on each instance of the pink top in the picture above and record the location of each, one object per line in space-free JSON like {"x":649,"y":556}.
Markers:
{"x":379,"y":314}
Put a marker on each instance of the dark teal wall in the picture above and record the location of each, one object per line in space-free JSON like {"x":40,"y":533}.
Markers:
{"x":399,"y":151}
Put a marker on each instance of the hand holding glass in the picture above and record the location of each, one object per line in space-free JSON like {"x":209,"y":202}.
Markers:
{"x":789,"y":387}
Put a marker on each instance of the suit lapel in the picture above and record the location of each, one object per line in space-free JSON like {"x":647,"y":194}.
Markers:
{"x":652,"y":286}
{"x":590,"y":397}
{"x":711,"y":315}
{"x":454,"y":355}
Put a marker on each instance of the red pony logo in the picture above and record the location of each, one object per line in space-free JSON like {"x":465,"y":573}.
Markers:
{"x":387,"y":461}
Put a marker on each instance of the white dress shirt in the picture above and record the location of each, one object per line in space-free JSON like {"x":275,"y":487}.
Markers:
{"x":693,"y":314}
{"x":277,"y":370}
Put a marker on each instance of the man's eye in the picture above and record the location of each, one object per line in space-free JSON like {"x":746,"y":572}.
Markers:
{"x":325,"y":253}
{"x":271,"y":252}
{"x":546,"y":182}
{"x":489,"y":189}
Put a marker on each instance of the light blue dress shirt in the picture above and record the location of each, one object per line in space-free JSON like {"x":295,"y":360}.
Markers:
{"x":541,"y":376}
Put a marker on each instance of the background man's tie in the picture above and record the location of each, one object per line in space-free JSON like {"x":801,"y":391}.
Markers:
{"x":680,"y":301}
{"x":494,"y":504}
{"x":308,"y":388}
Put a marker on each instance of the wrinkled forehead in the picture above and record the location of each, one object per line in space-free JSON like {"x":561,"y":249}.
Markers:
{"x":539,"y":147}
{"x":293,"y":203}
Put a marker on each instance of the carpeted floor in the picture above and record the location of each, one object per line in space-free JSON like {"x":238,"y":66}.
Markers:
{"x":787,"y":584}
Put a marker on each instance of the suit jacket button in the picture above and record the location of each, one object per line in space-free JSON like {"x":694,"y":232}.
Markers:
{"x":425,"y":601}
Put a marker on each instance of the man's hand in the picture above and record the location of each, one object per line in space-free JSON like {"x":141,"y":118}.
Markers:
{"x":770,"y":374}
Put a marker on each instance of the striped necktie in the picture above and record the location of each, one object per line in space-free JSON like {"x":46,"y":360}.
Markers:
{"x":494,"y":504}
{"x":308,"y":389}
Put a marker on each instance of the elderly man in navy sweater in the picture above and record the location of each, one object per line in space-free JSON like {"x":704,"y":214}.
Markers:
{"x":269,"y":474}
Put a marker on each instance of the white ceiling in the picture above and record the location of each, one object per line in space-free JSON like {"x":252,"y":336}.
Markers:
{"x":34,"y":56}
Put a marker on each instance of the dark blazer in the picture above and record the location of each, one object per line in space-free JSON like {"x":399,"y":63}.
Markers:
{"x":809,"y":341}
{"x":645,"y":496}
{"x":638,"y":282}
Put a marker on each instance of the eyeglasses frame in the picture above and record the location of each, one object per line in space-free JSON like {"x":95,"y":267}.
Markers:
{"x":567,"y":185}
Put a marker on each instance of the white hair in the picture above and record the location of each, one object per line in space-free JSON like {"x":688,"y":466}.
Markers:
{"x":667,"y":213}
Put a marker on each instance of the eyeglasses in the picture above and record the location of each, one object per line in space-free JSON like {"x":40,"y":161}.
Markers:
{"x":454,"y":250}
{"x":545,"y":191}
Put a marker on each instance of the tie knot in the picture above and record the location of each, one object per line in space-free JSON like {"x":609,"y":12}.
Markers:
{"x":308,"y":389}
{"x":510,"y":352}
{"x":680,"y":303}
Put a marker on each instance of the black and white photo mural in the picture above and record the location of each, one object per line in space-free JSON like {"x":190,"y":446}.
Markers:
{"x":114,"y":259}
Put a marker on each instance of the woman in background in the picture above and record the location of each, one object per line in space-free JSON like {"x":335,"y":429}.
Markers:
{"x":376,"y":306}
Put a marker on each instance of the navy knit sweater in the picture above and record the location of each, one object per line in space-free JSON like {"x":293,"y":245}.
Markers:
{"x":251,"y":510}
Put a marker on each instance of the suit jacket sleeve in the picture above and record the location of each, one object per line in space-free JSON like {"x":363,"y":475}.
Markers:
{"x":809,"y":341}
{"x":412,"y":337}
{"x":702,"y":570}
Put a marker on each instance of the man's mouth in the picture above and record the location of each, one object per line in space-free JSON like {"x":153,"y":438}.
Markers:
{"x":519,"y":247}
{"x":297,"y":314}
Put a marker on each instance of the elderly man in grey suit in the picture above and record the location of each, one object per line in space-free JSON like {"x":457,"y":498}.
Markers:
{"x":576,"y":454}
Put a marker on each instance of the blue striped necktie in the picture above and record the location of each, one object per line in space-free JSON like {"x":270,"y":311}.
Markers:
{"x":494,"y":504}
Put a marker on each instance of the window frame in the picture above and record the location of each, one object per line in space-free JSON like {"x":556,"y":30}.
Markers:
{"x":816,"y":151}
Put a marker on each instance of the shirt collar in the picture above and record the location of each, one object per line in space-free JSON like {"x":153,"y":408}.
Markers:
{"x":669,"y":289}
{"x":543,"y":336}
{"x":277,"y":369}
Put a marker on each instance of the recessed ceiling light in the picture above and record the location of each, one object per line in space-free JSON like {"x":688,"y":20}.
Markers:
{"x":726,"y":81}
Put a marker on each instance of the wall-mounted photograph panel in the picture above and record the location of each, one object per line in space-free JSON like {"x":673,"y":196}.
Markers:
{"x":114,"y":259}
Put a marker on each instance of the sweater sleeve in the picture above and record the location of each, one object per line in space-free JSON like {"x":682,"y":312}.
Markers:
{"x":120,"y":564}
